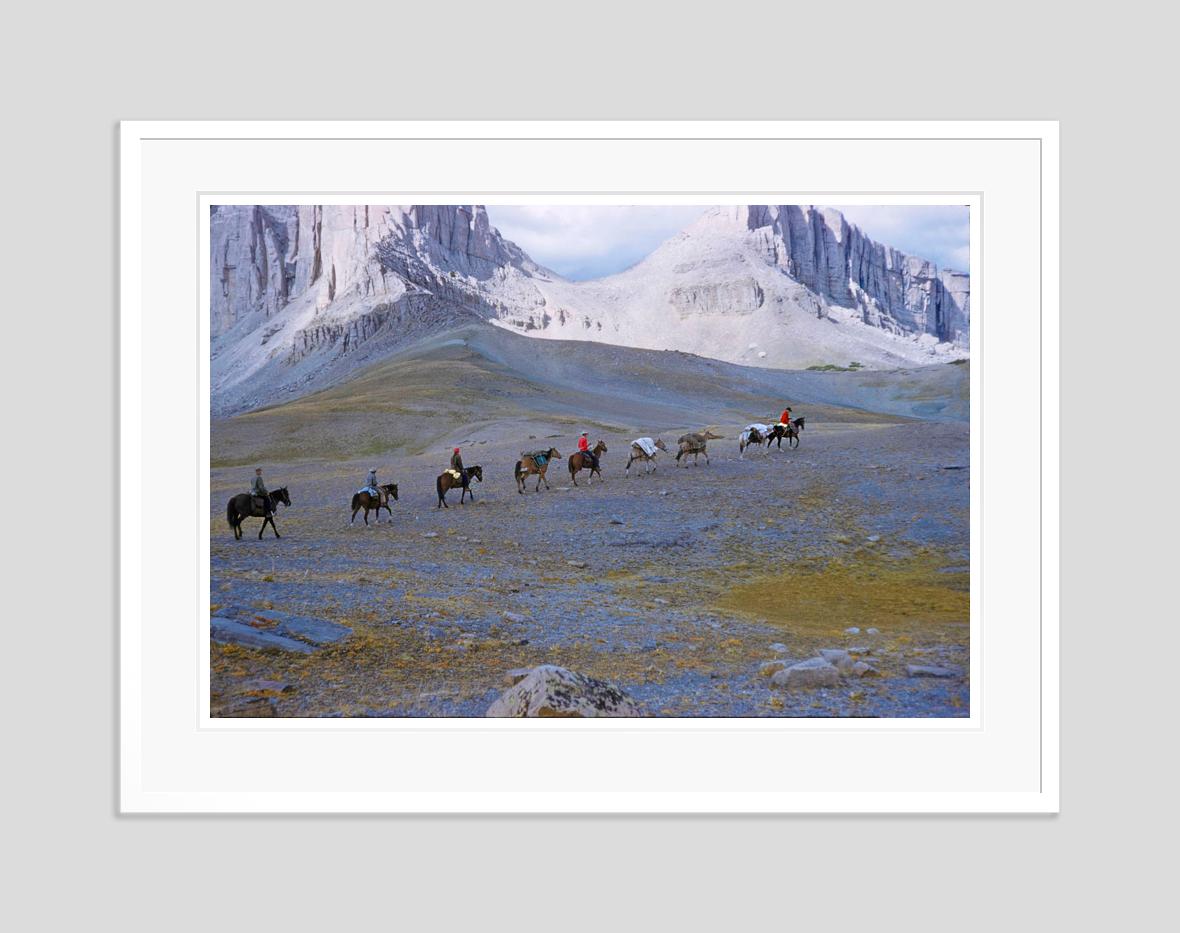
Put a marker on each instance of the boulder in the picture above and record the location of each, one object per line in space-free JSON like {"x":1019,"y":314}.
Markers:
{"x":516,"y":675}
{"x":549,"y":690}
{"x":929,"y":670}
{"x":835,"y":656}
{"x":304,"y":628}
{"x":778,"y":648}
{"x":861,"y":669}
{"x":814,"y":672}
{"x":230,"y":632}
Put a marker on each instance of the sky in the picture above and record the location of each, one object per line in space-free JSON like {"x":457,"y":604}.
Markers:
{"x":587,"y":242}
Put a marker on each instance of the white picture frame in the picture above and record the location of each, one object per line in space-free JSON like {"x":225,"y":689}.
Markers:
{"x":1002,"y":758}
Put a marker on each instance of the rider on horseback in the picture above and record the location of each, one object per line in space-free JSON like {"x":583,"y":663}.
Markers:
{"x":457,"y":465}
{"x":785,"y":420}
{"x":584,"y":449}
{"x":371,"y":484}
{"x":259,"y":491}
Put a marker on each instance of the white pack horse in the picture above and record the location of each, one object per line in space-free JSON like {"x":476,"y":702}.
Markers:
{"x":753,"y":434}
{"x":645,"y":449}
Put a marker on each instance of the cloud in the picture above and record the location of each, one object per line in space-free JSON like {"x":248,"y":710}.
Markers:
{"x":940,"y":233}
{"x":586,"y":242}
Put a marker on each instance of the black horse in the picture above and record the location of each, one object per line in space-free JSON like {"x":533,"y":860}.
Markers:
{"x":243,"y":506}
{"x":791,"y":432}
{"x":447,"y":481}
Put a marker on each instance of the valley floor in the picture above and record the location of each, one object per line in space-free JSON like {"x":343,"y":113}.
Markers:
{"x":674,"y":586}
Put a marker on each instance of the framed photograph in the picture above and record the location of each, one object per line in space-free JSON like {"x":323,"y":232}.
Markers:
{"x":589,"y":467}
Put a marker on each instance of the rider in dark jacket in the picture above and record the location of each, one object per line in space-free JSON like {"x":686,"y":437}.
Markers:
{"x":457,"y":463}
{"x":259,"y":491}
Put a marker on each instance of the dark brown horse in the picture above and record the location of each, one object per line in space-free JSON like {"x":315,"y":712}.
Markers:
{"x":367,"y":501}
{"x":243,"y":506}
{"x":536,"y":462}
{"x":580,"y":461}
{"x":790,"y":432}
{"x":447,"y":481}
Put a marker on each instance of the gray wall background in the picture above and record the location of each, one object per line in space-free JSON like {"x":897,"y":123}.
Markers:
{"x":71,"y":72}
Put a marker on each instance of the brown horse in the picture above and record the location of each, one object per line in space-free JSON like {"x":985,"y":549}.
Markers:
{"x":695,"y":443}
{"x":366,"y":501}
{"x":790,"y":432}
{"x":528,"y":464}
{"x":638,"y":453}
{"x":580,"y":461}
{"x":242,"y":507}
{"x":447,"y":481}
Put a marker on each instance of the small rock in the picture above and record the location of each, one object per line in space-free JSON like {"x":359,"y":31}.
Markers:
{"x":663,"y":492}
{"x":430,"y":534}
{"x":265,"y":688}
{"x":580,"y":564}
{"x":852,"y":630}
{"x":860,"y":669}
{"x":660,"y":601}
{"x":873,"y":539}
{"x":769,"y":668}
{"x":814,"y":672}
{"x":872,"y":631}
{"x":617,"y":521}
{"x":928,"y":670}
{"x":514,"y":617}
{"x":835,"y":655}
{"x":778,"y":648}
{"x":860,"y":649}
{"x":247,"y":707}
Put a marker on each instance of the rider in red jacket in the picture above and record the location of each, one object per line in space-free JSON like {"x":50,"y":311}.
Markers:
{"x":786,"y":417}
{"x":584,"y":448}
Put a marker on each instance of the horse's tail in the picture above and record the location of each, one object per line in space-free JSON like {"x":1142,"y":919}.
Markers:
{"x":231,"y":513}
{"x":438,"y":486}
{"x":516,"y":470}
{"x":356,"y":501}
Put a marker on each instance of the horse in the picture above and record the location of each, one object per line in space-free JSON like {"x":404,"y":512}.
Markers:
{"x":527,"y":464}
{"x":242,"y":507}
{"x":365,"y":500}
{"x":447,"y":481}
{"x":790,"y":432}
{"x":751,"y":436}
{"x":638,"y":453}
{"x":695,"y":443}
{"x":580,"y":461}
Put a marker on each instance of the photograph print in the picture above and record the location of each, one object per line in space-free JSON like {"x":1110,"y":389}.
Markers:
{"x":602,"y":460}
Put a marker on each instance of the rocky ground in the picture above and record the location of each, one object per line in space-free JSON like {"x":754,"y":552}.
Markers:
{"x":678,"y":587}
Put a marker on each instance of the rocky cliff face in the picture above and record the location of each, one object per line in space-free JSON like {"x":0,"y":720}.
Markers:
{"x":301,"y":296}
{"x":896,"y":292}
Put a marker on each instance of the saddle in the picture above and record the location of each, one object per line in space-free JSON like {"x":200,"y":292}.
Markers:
{"x":371,"y":490}
{"x":455,"y":473}
{"x":539,"y":457}
{"x":260,"y":504}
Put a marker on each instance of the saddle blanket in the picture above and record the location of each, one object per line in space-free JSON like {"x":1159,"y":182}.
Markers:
{"x":370,"y":490}
{"x":646,"y":444}
{"x":760,"y":428}
{"x":539,"y":457}
{"x":456,"y":474}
